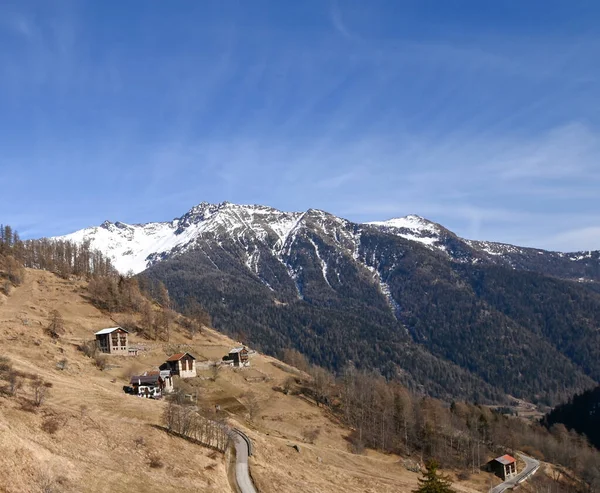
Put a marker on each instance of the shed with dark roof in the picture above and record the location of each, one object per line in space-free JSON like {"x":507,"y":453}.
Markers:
{"x":238,"y":356}
{"x":149,"y":386}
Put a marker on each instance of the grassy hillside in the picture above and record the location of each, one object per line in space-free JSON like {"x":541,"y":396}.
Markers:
{"x":89,"y":436}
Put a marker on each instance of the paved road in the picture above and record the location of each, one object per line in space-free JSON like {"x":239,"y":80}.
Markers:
{"x":531,"y":465}
{"x":242,"y":474}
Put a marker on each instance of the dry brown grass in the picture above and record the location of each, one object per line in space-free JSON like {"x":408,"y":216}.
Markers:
{"x":89,"y":436}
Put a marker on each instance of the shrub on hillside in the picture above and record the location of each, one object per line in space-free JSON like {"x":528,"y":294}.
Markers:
{"x":51,"y":425}
{"x":89,"y":348}
{"x":532,"y":451}
{"x":13,"y":378}
{"x":464,"y":475}
{"x":6,"y":287}
{"x":356,"y":443}
{"x":15,"y":382}
{"x":311,"y":434}
{"x":39,"y":389}
{"x":12,"y":269}
{"x":5,"y":366}
{"x":56,"y":327}
{"x":100,"y":361}
{"x":155,"y":461}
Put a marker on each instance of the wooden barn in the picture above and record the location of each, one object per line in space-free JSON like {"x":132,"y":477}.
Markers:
{"x":181,"y":364}
{"x":113,"y":340}
{"x":504,"y":466}
{"x":238,"y":357}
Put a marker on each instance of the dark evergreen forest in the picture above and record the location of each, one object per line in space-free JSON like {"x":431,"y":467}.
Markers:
{"x":581,"y":414}
{"x":449,"y":325}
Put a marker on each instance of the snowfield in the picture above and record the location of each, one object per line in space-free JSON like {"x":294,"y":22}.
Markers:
{"x":131,"y":246}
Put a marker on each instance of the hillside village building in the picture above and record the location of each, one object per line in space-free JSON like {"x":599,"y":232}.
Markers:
{"x":238,"y":357}
{"x":505,"y":466}
{"x":181,"y":364}
{"x":166,"y":377}
{"x":113,"y":340}
{"x":149,"y":386}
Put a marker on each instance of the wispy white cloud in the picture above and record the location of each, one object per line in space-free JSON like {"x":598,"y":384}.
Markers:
{"x":338,"y":180}
{"x":495,"y":138}
{"x":568,"y":151}
{"x":337,"y":20}
{"x":585,"y":238}
{"x":23,"y":26}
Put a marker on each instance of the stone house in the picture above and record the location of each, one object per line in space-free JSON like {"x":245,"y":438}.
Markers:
{"x":181,"y":364}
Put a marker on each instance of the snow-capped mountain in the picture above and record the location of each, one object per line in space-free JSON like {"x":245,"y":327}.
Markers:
{"x":134,"y":247}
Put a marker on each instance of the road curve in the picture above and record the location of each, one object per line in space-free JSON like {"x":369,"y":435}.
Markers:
{"x":242,"y":474}
{"x":531,"y":466}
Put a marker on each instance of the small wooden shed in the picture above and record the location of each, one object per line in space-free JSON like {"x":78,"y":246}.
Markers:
{"x":113,"y":340}
{"x":238,"y":356}
{"x":504,"y":466}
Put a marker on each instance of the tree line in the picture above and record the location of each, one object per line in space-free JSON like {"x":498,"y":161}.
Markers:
{"x":107,"y":289}
{"x":581,"y":413}
{"x":64,"y":258}
{"x":384,"y":415}
{"x":196,"y":424}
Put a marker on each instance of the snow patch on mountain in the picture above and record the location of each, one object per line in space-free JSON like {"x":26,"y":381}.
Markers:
{"x":129,"y":246}
{"x":387,"y":293}
{"x":321,"y":261}
{"x":492,"y":248}
{"x":414,"y":228}
{"x":413,"y":222}
{"x":133,"y":247}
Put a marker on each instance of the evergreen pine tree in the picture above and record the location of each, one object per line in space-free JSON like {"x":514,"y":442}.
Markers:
{"x":431,"y":482}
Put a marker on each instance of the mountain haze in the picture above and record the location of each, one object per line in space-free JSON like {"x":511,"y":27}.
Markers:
{"x":407,"y":297}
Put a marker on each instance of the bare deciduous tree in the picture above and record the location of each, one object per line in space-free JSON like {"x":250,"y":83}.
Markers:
{"x":15,"y":383}
{"x":56,"y":327}
{"x":252,"y":405}
{"x":39,"y":390}
{"x":215,"y":369}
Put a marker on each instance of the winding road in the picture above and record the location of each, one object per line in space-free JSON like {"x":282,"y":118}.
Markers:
{"x":243,"y":448}
{"x":531,"y":466}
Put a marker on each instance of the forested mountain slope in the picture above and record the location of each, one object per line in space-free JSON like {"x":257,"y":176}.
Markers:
{"x":407,"y":297}
{"x":581,"y":413}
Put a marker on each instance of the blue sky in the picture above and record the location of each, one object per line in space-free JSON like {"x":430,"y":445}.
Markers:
{"x":483,"y":116}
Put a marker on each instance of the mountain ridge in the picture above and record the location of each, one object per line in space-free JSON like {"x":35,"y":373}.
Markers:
{"x":407,"y":297}
{"x":177,"y":235}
